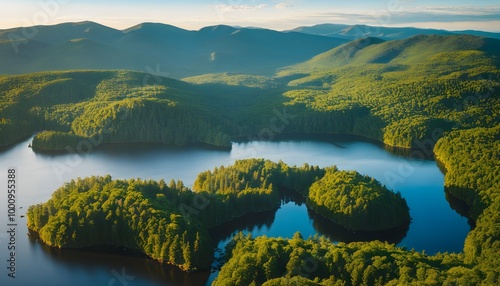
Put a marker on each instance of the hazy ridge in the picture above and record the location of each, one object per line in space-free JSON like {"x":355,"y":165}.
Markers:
{"x":171,"y":51}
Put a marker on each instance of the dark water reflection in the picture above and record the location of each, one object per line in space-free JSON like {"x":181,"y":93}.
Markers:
{"x":246,"y":223}
{"x":338,"y":233}
{"x":460,"y":207}
{"x":131,"y":269}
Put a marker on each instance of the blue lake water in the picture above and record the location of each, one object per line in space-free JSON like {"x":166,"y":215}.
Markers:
{"x":435,"y":226}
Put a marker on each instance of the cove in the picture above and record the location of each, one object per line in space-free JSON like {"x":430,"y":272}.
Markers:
{"x":435,"y":226}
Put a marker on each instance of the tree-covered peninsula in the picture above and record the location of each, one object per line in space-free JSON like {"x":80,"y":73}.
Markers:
{"x":140,"y":215}
{"x":169,"y":222}
{"x":357,"y":202}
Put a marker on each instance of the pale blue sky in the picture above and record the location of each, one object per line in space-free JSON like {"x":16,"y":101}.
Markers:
{"x":274,"y":14}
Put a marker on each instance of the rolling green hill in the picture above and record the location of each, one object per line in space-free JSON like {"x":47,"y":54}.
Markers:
{"x":357,"y":202}
{"x":419,"y":50}
{"x":114,"y":106}
{"x":414,"y":86}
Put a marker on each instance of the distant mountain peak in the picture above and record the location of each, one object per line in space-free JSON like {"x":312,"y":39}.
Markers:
{"x":152,"y":26}
{"x":85,"y":23}
{"x":218,"y":28}
{"x":352,"y":32}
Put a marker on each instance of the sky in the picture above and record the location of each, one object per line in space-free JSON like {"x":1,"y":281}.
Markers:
{"x":273,"y":14}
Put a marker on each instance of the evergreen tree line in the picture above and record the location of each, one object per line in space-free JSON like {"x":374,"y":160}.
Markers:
{"x":136,"y":214}
{"x":349,"y":199}
{"x":169,"y":222}
{"x":473,"y":175}
{"x":318,"y":261}
{"x":357,"y":202}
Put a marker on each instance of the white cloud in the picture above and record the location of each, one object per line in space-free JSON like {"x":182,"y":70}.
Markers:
{"x":229,"y":8}
{"x":458,"y":10}
{"x":284,"y":5}
{"x":448,"y":17}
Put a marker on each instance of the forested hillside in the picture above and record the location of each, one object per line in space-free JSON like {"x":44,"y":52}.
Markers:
{"x":406,"y":93}
{"x":317,"y":261}
{"x":106,"y":107}
{"x":126,"y":107}
{"x":418,"y":88}
{"x":473,"y":175}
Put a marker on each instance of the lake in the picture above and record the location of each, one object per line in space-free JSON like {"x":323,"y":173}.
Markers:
{"x":435,"y":226}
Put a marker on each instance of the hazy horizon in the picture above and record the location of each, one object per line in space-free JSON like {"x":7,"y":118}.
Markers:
{"x":270,"y":14}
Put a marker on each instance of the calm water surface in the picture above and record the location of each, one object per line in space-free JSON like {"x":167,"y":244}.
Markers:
{"x":435,"y":226}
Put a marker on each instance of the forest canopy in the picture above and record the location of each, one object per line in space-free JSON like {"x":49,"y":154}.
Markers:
{"x":357,"y":202}
{"x":317,"y":261}
{"x":136,"y":214}
{"x":159,"y":219}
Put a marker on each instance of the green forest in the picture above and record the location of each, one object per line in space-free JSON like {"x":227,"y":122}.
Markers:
{"x":439,"y":95}
{"x":317,"y":261}
{"x":169,"y":222}
{"x":388,"y":91}
{"x":472,"y":174}
{"x":357,"y":202}
{"x":136,"y":214}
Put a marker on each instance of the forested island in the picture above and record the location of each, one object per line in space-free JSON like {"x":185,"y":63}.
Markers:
{"x":160,"y":220}
{"x":357,"y":202}
{"x":438,"y":95}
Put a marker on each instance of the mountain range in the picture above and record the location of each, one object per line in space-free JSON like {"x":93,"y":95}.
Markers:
{"x":165,"y":50}
{"x":354,"y":32}
{"x":161,"y":48}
